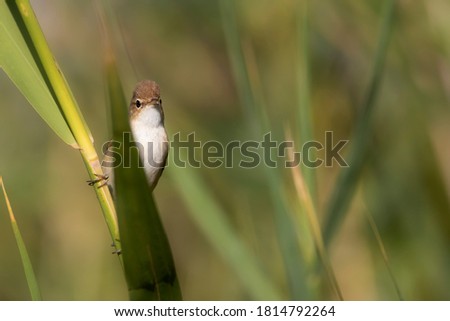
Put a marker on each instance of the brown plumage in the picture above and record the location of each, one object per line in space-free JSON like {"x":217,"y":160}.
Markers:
{"x":146,"y":92}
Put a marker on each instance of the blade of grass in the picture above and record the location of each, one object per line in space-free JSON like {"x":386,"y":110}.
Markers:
{"x":254,"y":113}
{"x":57,"y":84}
{"x":17,"y":61}
{"x":304,"y":122}
{"x":348,"y":177}
{"x":305,"y":119}
{"x":26,"y":262}
{"x":311,"y":214}
{"x":147,"y":258}
{"x":379,"y":240}
{"x":31,"y":30}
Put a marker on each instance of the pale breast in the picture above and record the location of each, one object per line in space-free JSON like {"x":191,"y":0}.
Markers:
{"x":153,"y":145}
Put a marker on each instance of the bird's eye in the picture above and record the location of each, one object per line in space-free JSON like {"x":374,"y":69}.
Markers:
{"x":160,"y":101}
{"x":138,"y":103}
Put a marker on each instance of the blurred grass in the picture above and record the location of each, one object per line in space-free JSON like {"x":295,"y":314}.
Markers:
{"x":258,"y":126}
{"x":212,"y":222}
{"x":26,"y":263}
{"x":305,"y":123}
{"x":404,"y":184}
{"x":348,"y":178}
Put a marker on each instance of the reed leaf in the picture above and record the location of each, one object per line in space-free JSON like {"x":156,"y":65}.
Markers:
{"x":29,"y":41}
{"x":147,"y":257}
{"x":17,"y":59}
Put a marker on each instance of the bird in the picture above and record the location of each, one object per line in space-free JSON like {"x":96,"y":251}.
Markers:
{"x":146,"y":118}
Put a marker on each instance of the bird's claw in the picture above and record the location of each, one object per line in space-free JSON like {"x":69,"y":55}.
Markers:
{"x":118,"y":252}
{"x":101,"y":178}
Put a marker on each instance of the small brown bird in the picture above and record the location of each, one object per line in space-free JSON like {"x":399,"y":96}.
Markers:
{"x":146,"y":118}
{"x":147,"y":124}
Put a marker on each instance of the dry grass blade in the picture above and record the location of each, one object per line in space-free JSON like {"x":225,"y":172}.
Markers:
{"x":380,"y":243}
{"x":305,"y":198}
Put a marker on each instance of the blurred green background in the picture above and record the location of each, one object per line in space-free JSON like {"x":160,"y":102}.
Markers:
{"x":404,"y":184}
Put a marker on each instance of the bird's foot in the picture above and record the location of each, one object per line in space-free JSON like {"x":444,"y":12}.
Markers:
{"x":103,"y":179}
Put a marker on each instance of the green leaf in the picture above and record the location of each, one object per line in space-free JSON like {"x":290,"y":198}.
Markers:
{"x":16,"y":59}
{"x":305,"y":117}
{"x":147,"y":257}
{"x":31,"y":43}
{"x":26,"y":263}
{"x":349,"y":177}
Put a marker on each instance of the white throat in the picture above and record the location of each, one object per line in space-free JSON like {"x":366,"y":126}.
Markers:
{"x":149,"y":117}
{"x":148,"y":130}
